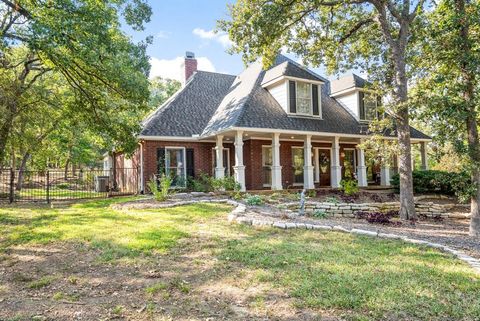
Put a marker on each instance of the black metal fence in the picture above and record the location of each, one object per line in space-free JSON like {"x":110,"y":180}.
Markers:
{"x":56,"y":185}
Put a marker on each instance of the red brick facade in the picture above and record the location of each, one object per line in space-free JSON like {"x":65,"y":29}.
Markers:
{"x":190,"y":67}
{"x":203,"y":156}
{"x":252,"y":155}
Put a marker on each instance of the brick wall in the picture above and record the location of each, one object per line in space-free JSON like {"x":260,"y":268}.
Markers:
{"x":202,"y":153}
{"x":252,"y":155}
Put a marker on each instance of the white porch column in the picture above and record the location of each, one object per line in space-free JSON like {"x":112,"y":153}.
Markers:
{"x":424,"y":156}
{"x":308,"y":167}
{"x":276,"y":168}
{"x":336,"y":169}
{"x":219,"y":169}
{"x":385,"y":175}
{"x":316,"y":164}
{"x":361,"y":168}
{"x":239,"y":168}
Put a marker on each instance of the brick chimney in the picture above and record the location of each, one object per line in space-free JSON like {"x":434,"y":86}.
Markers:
{"x":189,"y":65}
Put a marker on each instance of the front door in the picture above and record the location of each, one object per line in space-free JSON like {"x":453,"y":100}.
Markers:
{"x":324,"y":166}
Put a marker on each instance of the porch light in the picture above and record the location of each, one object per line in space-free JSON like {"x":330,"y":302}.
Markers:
{"x":292,"y":137}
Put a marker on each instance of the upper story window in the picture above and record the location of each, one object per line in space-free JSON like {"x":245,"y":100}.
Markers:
{"x":304,"y":98}
{"x":369,"y":106}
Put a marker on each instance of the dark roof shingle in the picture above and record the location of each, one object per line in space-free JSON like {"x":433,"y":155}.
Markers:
{"x":212,"y":103}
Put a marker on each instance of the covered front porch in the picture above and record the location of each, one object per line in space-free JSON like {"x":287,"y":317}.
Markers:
{"x":278,"y":160}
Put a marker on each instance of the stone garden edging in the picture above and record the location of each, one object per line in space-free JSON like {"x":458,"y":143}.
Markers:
{"x":427,"y":209}
{"x":237,"y":215}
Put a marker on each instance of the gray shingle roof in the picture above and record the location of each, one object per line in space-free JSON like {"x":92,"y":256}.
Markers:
{"x":212,"y":103}
{"x":191,"y":109}
{"x":347,"y":82}
{"x":289,"y":68}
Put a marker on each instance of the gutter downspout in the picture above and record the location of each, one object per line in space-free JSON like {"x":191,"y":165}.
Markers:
{"x":142,"y":183}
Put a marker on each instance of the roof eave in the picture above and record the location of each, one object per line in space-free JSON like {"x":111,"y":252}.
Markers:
{"x":283,"y":77}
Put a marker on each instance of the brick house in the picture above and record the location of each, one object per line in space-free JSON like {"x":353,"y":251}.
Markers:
{"x":272,"y":129}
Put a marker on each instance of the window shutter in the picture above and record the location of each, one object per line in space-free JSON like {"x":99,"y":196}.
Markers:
{"x":190,"y":163}
{"x":160,"y":161}
{"x":293,"y":97}
{"x":316,"y":110}
{"x":361,"y":105}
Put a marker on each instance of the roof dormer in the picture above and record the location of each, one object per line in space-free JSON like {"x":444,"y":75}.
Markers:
{"x":351,"y":92}
{"x":295,"y":88}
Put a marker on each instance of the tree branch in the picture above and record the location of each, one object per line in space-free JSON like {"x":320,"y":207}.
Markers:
{"x":418,"y":8}
{"x":355,"y":28}
{"x":18,"y":8}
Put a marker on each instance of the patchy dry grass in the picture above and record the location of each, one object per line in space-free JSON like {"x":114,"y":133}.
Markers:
{"x":92,"y":262}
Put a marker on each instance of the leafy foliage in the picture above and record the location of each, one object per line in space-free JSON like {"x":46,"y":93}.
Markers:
{"x":253,"y":200}
{"x":319,"y":214}
{"x":79,"y":46}
{"x":349,"y":186}
{"x":160,"y":188}
{"x":447,"y":183}
{"x":207,"y":183}
{"x":377,"y":217}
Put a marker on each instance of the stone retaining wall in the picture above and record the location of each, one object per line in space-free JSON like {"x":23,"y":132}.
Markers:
{"x":428,"y":209}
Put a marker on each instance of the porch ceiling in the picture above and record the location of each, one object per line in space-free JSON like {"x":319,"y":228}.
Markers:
{"x":258,"y":135}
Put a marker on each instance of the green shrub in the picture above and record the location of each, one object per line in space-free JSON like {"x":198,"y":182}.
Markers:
{"x":349,"y":186}
{"x":160,"y":188}
{"x":311,"y":193}
{"x":253,"y":200}
{"x":62,"y":186}
{"x":319,"y":214}
{"x":331,"y":199}
{"x":207,"y":183}
{"x":440,"y":182}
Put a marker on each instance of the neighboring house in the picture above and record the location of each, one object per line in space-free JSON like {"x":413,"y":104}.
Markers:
{"x":272,"y":129}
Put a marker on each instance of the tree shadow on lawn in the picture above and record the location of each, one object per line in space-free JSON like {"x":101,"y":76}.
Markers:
{"x":204,"y":267}
{"x":360,"y":275}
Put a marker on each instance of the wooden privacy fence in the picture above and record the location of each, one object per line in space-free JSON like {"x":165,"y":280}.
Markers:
{"x":55,"y":185}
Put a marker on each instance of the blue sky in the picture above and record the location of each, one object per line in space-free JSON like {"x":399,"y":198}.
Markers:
{"x":187,"y":25}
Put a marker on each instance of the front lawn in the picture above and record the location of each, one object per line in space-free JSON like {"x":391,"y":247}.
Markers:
{"x":187,"y":263}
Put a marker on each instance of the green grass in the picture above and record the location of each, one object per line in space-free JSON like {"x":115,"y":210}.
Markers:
{"x":116,"y":234}
{"x":353,"y":277}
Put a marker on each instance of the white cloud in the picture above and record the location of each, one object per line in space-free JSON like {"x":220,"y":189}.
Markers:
{"x":162,"y":34}
{"x":220,"y":37}
{"x":172,"y":68}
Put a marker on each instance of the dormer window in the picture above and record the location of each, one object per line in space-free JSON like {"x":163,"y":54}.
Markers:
{"x":369,"y":106}
{"x":304,"y":98}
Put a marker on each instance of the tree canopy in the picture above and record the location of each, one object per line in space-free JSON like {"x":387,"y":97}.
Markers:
{"x":80,"y":43}
{"x":374,"y":35}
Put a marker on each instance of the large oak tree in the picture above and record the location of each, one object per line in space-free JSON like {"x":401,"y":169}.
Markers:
{"x":448,"y":84}
{"x":81,"y":41}
{"x":374,"y":35}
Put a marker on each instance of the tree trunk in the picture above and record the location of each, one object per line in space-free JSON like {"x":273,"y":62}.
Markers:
{"x":468,"y":76}
{"x":407,"y":205}
{"x":74,"y":170}
{"x":21,"y":171}
{"x":65,"y":175}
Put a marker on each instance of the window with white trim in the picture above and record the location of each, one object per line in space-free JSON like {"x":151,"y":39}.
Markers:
{"x":297,"y":165}
{"x":304,"y":98}
{"x":267,"y":162}
{"x":369,"y":106}
{"x":175,"y":165}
